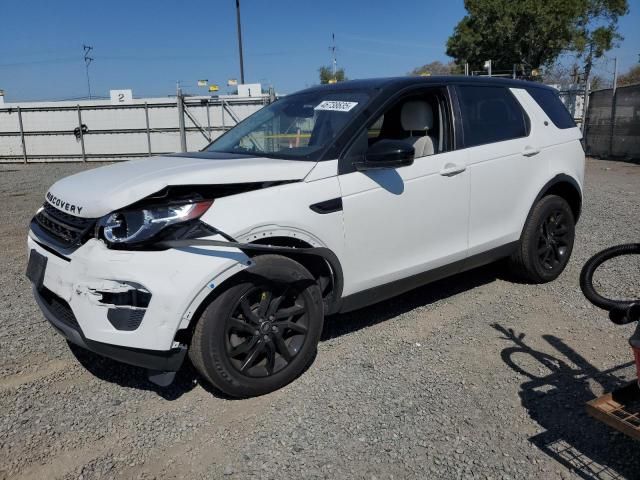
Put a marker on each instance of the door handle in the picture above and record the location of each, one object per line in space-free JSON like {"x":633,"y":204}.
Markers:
{"x":451,"y":169}
{"x":530,"y":151}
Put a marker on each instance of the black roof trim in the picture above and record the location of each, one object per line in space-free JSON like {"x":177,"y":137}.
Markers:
{"x":403,"y":82}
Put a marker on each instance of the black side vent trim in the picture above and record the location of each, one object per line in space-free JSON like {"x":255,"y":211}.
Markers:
{"x":328,"y":206}
{"x":126,"y":319}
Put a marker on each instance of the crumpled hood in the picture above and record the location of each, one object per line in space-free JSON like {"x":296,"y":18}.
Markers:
{"x":96,"y":192}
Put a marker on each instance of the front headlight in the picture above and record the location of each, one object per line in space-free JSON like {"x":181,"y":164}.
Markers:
{"x":140,"y":225}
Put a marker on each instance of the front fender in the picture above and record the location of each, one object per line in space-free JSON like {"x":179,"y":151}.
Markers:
{"x":250,"y":249}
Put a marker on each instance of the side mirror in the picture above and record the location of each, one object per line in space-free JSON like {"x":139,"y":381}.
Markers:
{"x":387,"y":154}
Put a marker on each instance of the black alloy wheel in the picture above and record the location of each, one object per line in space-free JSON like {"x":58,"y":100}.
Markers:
{"x":261,"y":330}
{"x":546,"y":242}
{"x":266,"y":330}
{"x":554,"y":240}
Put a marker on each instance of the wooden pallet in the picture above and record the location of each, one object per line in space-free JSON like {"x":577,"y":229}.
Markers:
{"x":619,"y":409}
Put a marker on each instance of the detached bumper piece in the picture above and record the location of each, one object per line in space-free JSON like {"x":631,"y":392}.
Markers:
{"x":59,"y":314}
{"x":619,"y":409}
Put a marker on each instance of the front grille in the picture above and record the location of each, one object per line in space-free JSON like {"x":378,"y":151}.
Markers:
{"x":67,"y":229}
{"x":60,"y":308}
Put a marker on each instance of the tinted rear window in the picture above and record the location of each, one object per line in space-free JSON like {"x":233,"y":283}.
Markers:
{"x":490,"y":114}
{"x":550,"y":102}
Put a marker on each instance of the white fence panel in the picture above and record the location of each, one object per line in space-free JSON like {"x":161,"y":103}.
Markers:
{"x":114,"y":132}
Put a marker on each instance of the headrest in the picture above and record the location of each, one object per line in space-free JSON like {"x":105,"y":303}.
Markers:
{"x":416,"y":115}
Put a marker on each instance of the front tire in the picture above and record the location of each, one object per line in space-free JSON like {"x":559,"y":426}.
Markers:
{"x":262,"y":331}
{"x":546,"y":242}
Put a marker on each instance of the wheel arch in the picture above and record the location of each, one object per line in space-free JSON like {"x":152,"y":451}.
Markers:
{"x":321,"y":262}
{"x":564,"y":186}
{"x":324,"y":266}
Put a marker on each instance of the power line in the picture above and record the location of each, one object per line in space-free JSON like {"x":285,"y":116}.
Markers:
{"x":40,"y":62}
{"x":392,"y":43}
{"x":160,"y":58}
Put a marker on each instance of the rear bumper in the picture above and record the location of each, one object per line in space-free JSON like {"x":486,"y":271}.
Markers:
{"x":64,"y":322}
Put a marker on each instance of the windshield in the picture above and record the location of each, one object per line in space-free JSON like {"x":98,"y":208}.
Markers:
{"x":297,"y":127}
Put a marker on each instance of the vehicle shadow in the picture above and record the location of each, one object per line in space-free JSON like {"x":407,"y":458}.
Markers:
{"x":336,"y":325}
{"x":135,"y":377}
{"x":345,"y":323}
{"x":556,"y":401}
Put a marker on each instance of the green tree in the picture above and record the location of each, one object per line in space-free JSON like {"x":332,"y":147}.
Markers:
{"x":632,"y":77}
{"x":595,"y":30}
{"x":533,"y":33}
{"x":436,"y":68}
{"x":326,"y":75}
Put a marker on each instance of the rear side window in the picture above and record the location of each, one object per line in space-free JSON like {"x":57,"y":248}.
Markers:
{"x":490,"y":114}
{"x":550,"y":102}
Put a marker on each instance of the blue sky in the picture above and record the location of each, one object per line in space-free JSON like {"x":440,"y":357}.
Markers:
{"x":148,"y":45}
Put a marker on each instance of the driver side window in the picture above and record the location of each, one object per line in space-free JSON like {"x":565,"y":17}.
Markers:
{"x":421,"y":119}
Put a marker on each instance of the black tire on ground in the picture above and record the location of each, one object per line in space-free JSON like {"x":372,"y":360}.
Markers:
{"x":546,"y":242}
{"x":262,"y":331}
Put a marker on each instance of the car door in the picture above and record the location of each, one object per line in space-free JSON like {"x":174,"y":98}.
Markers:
{"x":503,"y":164}
{"x":400,"y":222}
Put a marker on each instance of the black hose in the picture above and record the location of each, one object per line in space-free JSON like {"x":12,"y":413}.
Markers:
{"x":622,"y":311}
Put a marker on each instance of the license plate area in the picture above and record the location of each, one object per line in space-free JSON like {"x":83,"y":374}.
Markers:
{"x":36,"y":268}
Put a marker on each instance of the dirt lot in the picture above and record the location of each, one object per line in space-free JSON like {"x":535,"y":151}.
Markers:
{"x":472,"y":377}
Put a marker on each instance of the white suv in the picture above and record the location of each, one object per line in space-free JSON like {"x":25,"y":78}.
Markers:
{"x":327,"y":200}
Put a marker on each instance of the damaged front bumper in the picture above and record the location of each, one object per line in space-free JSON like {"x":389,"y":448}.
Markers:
{"x":129,"y":305}
{"x":63,"y":320}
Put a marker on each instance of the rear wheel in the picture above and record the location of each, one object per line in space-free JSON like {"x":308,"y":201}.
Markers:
{"x":262,"y":331}
{"x":547,"y":241}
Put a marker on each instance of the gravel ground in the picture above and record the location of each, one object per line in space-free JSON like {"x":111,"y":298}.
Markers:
{"x":472,"y":377}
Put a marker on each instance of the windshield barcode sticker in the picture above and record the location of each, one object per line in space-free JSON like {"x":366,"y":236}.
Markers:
{"x":336,"y":105}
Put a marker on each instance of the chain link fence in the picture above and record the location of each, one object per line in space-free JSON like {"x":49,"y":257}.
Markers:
{"x":612,"y":128}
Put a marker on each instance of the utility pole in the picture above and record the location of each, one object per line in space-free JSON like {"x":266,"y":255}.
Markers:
{"x":87,"y":61}
{"x":240,"y":41}
{"x":334,"y":61}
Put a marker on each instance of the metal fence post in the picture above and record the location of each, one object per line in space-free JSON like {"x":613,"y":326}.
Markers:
{"x":222,"y":108}
{"x":208,"y":118}
{"x":585,"y":108}
{"x":612,"y":121}
{"x":84,"y":155}
{"x":24,"y":146}
{"x":183,"y":134}
{"x":146,"y":116}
